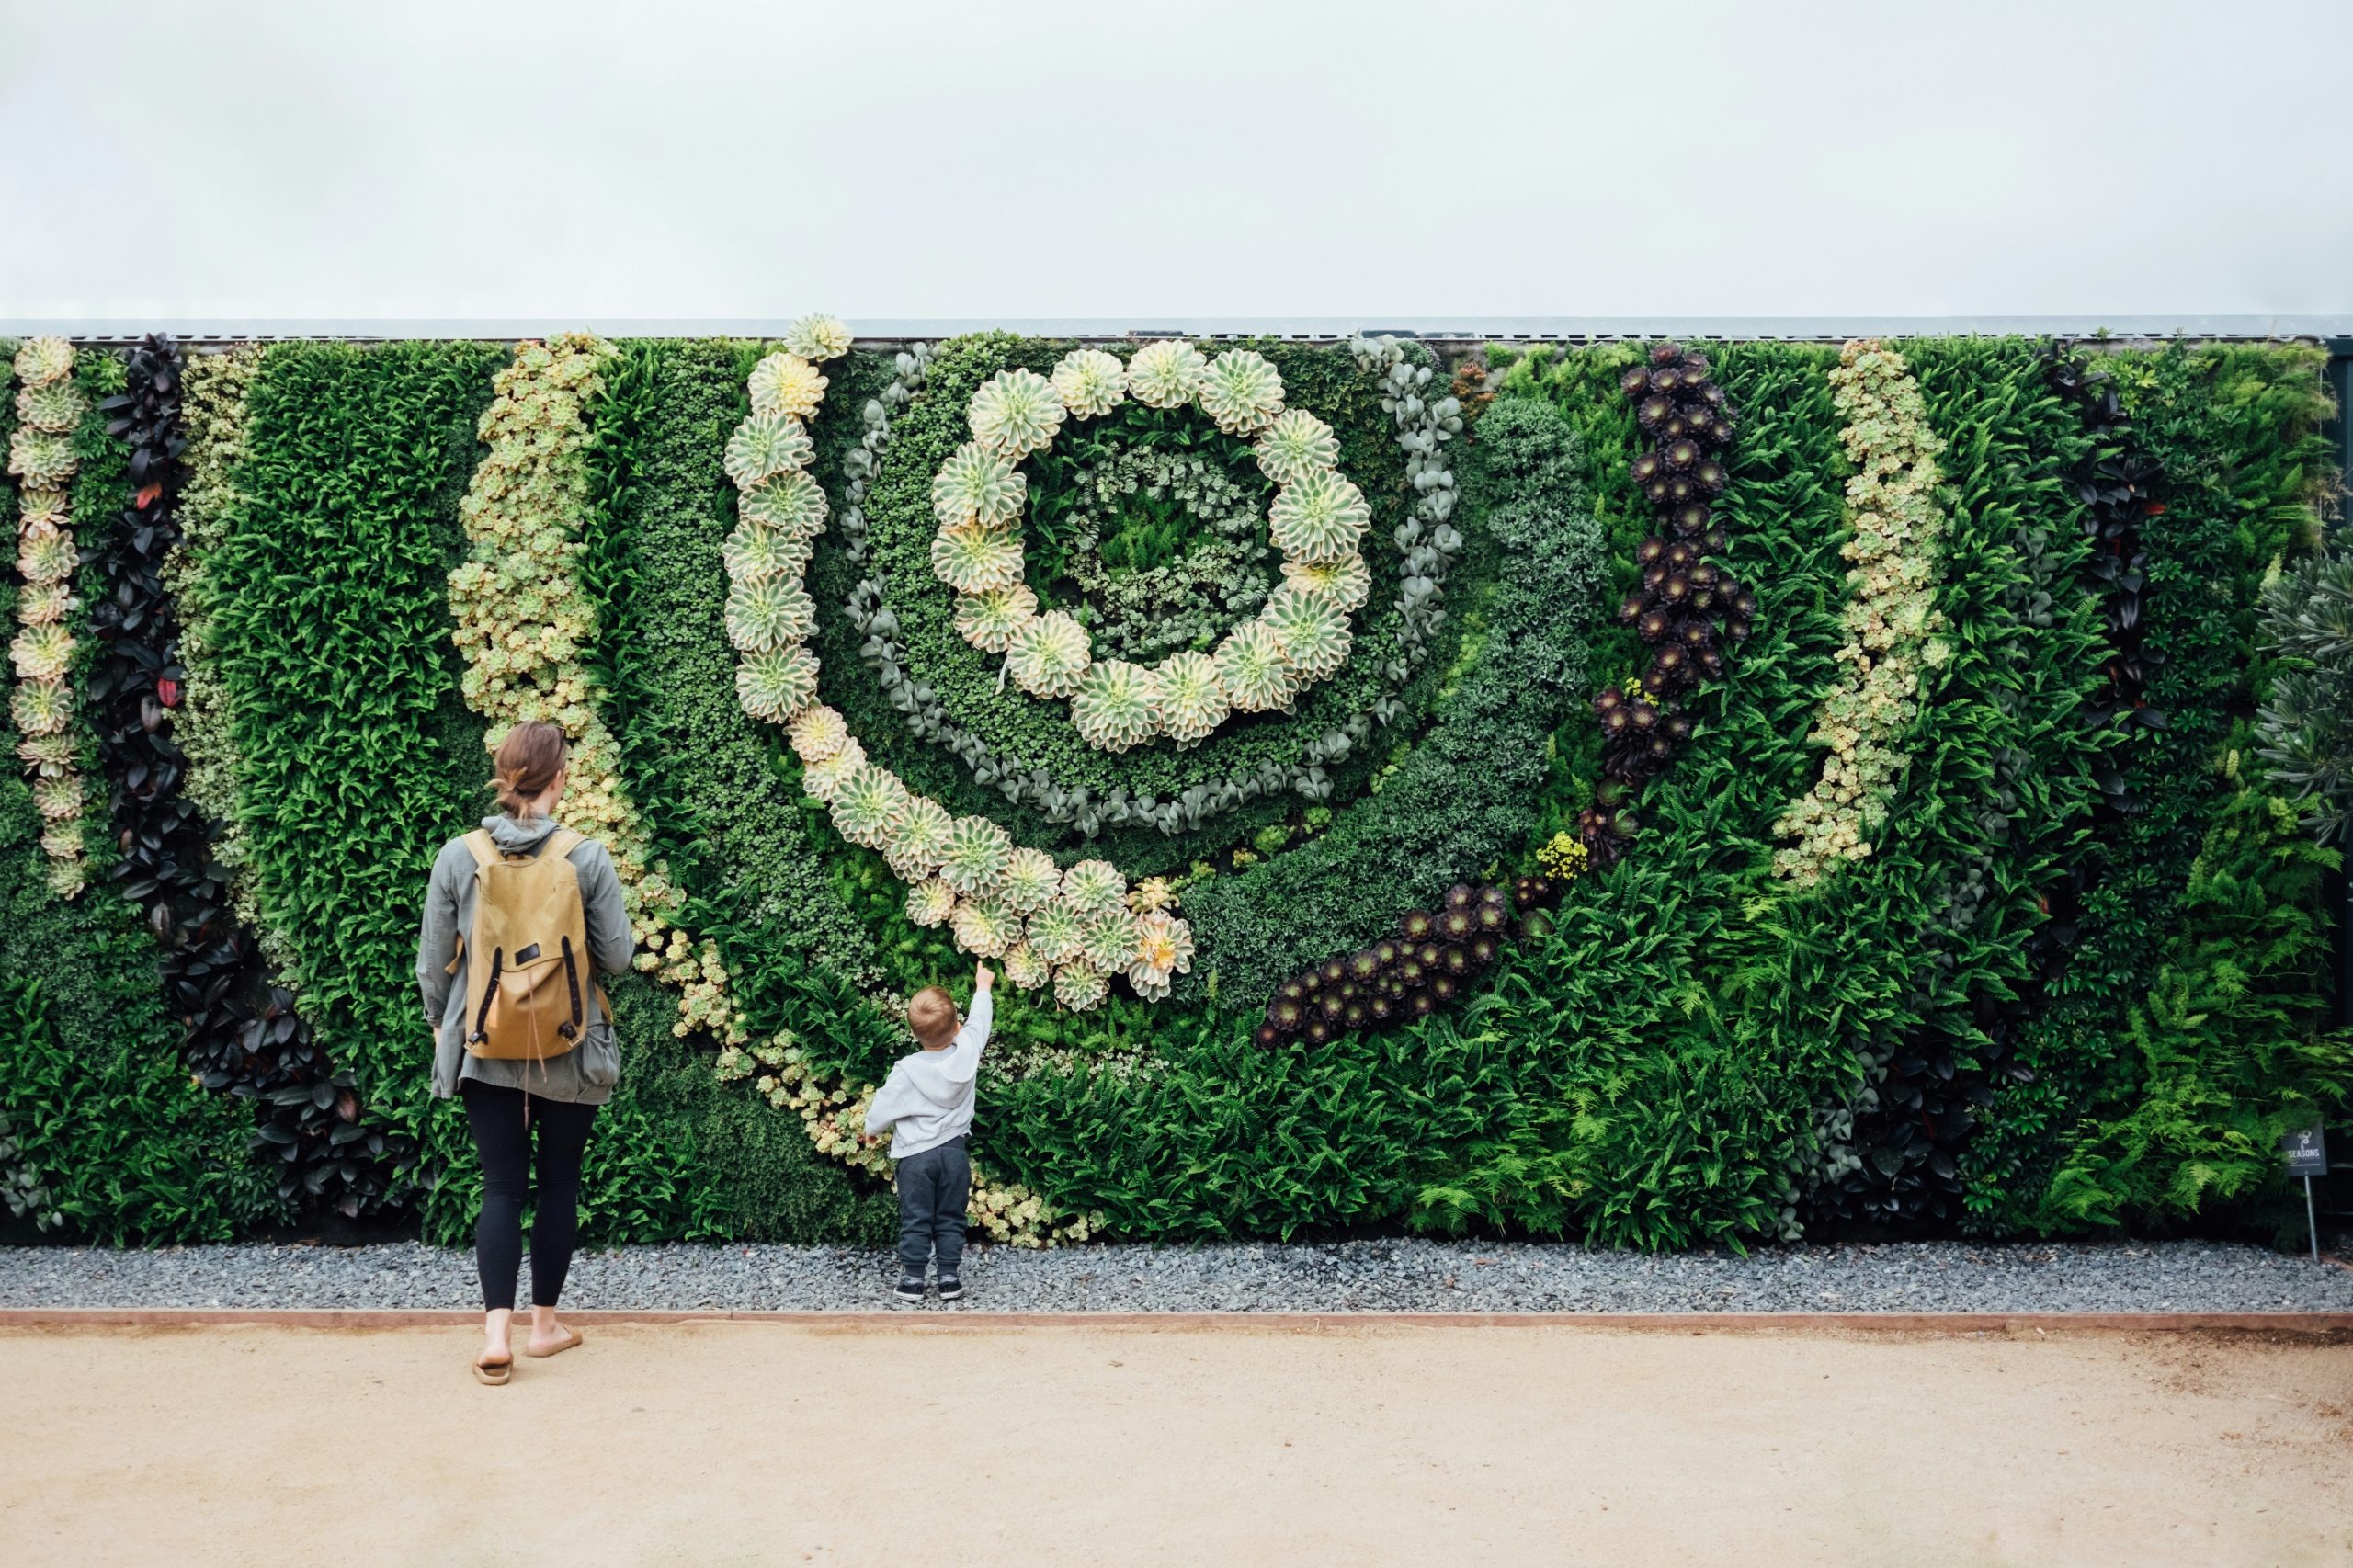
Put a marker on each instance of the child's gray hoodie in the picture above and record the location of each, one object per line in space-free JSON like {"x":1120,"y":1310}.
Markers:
{"x":927,"y":1098}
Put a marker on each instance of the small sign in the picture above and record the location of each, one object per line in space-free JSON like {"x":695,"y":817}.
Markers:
{"x":2306,"y":1154}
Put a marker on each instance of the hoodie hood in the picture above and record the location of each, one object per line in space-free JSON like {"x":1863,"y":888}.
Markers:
{"x":518,"y":837}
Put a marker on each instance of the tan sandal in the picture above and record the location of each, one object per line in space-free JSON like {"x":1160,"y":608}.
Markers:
{"x":493,"y":1373}
{"x":570,"y":1339}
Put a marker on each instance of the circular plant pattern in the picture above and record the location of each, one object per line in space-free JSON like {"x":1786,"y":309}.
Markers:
{"x":1318,"y":520}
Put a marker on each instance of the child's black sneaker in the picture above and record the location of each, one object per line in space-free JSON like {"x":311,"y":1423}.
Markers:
{"x":950,"y":1287}
{"x":911,"y":1288}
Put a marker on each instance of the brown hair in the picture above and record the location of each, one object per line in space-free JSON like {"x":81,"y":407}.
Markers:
{"x":931,"y":1013}
{"x":527,"y":760}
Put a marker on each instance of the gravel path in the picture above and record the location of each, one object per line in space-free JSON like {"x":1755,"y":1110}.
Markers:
{"x":1377,"y":1276}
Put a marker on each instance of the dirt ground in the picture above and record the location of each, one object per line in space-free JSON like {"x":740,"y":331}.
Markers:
{"x":721,"y":1443}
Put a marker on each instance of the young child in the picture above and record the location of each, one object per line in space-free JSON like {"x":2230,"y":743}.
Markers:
{"x":926,"y":1102}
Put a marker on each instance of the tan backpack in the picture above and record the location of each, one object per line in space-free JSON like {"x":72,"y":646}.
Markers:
{"x":526,"y":983}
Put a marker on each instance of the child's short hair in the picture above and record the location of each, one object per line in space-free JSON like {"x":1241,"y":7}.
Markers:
{"x":931,"y":1013}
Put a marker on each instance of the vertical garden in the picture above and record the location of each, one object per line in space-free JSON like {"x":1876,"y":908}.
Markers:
{"x":1652,"y":794}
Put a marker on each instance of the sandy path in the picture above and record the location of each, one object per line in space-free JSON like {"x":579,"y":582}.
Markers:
{"x":750,"y":1443}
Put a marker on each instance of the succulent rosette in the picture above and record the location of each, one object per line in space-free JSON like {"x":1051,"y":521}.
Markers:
{"x":57,"y":408}
{"x":788,"y":501}
{"x":1090,"y":383}
{"x":42,"y":652}
{"x":1192,"y":696}
{"x":752,"y":552}
{"x":42,"y":510}
{"x":920,"y":842}
{"x":931,"y":903}
{"x":776,"y":683}
{"x":764,"y":613}
{"x":1057,"y":932}
{"x":1166,"y":374}
{"x":824,"y":777}
{"x":1048,"y":655}
{"x":1024,"y":968}
{"x":48,"y":756}
{"x":1117,"y":705}
{"x":1090,"y":887}
{"x":1015,"y":413}
{"x":984,"y":929}
{"x":1152,"y":893}
{"x":40,"y":360}
{"x":870,"y":806}
{"x":1032,"y":880}
{"x":1242,"y":392}
{"x":817,"y":733}
{"x":1110,"y":940}
{"x":817,"y":337}
{"x":1314,"y":631}
{"x":764,"y":445}
{"x":1296,"y":445}
{"x":1079,"y":988}
{"x":40,"y":458}
{"x":977,"y":485}
{"x":40,"y":707}
{"x":1346,"y":581}
{"x":57,"y":799}
{"x":988,"y":622}
{"x":974,"y":860}
{"x":973,"y":559}
{"x":1320,"y":517}
{"x":45,"y":604}
{"x":47,"y":557}
{"x":786,"y":383}
{"x":1255,"y":669}
{"x":1164,"y":948}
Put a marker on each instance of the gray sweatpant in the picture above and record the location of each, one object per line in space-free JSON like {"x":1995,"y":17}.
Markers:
{"x":933,"y":1189}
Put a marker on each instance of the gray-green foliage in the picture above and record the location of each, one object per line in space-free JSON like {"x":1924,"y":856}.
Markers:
{"x":2307,"y":726}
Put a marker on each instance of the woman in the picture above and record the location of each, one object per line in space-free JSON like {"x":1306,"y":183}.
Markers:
{"x":506,"y":1099}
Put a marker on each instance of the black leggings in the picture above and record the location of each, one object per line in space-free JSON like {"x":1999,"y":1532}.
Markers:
{"x":503,"y":1139}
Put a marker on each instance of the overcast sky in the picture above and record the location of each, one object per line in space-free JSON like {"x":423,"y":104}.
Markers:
{"x":336,"y":159}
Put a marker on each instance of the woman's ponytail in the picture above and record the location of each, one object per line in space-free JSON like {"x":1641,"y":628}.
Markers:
{"x":527,"y":762}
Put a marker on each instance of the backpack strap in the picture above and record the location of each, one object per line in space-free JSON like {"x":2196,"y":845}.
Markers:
{"x":563,"y":842}
{"x":483,"y":849}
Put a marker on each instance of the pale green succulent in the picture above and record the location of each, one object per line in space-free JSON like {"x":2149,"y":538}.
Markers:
{"x":1346,"y":581}
{"x":1057,"y":932}
{"x":869,"y":806}
{"x":1091,"y":887}
{"x":818,"y":337}
{"x":1164,"y":948}
{"x":1048,"y":655}
{"x":1016,"y":413}
{"x":1032,"y":880}
{"x":38,"y":508}
{"x":989,"y":620}
{"x":823,"y":778}
{"x":42,"y":706}
{"x":1111,"y":944}
{"x":984,"y":929}
{"x":975,"y":560}
{"x":1242,"y":392}
{"x":1079,"y":988}
{"x":42,"y":652}
{"x":931,"y":903}
{"x":789,"y":502}
{"x":1117,"y":705}
{"x":1024,"y":968}
{"x":56,"y":408}
{"x":1165,"y":374}
{"x":45,"y":604}
{"x":1256,"y":673}
{"x":41,"y":458}
{"x":976,"y":486}
{"x":1090,"y":383}
{"x":68,"y":877}
{"x":975,"y":861}
{"x":920,"y":841}
{"x":768,"y":612}
{"x":1313,"y":629}
{"x":58,"y":800}
{"x":1192,"y":698}
{"x":1320,"y":517}
{"x":776,"y":684}
{"x":49,"y":755}
{"x":1150,"y":985}
{"x":1296,"y":445}
{"x":786,"y":383}
{"x":40,"y":360}
{"x":766,"y":445}
{"x":817,"y":733}
{"x":752,"y":552}
{"x":47,"y":557}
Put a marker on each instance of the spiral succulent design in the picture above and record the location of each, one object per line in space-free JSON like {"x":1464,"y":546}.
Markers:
{"x":788,"y":502}
{"x":984,"y":929}
{"x":45,"y":604}
{"x":973,"y":559}
{"x":870,"y":806}
{"x":40,"y":707}
{"x":776,"y":683}
{"x":920,"y":841}
{"x":1057,"y":932}
{"x":764,"y":445}
{"x":1111,"y":944}
{"x":40,"y":458}
{"x":754,"y":553}
{"x":976,"y":855}
{"x":1296,"y":445}
{"x":42,"y":652}
{"x":1347,"y":582}
{"x":818,"y":733}
{"x":58,"y":800}
{"x":1313,"y":629}
{"x":40,"y":360}
{"x":931,"y":903}
{"x":764,"y":613}
{"x":1117,"y":705}
{"x":976,"y":486}
{"x":1256,"y":671}
{"x":56,"y":408}
{"x":1032,"y":880}
{"x":46,"y":558}
{"x":1090,"y":383}
{"x":1242,"y":392}
{"x":817,"y":337}
{"x":1079,"y":988}
{"x":786,"y":383}
{"x":1092,"y":886}
{"x":823,"y":778}
{"x":1321,"y":517}
{"x":39,"y":509}
{"x":988,"y":622}
{"x":1048,"y":655}
{"x":1024,"y":968}
{"x":1192,"y":698}
{"x":1015,"y":413}
{"x":1166,"y":374}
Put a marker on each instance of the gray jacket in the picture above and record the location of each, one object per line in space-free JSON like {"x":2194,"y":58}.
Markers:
{"x":583,"y":1075}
